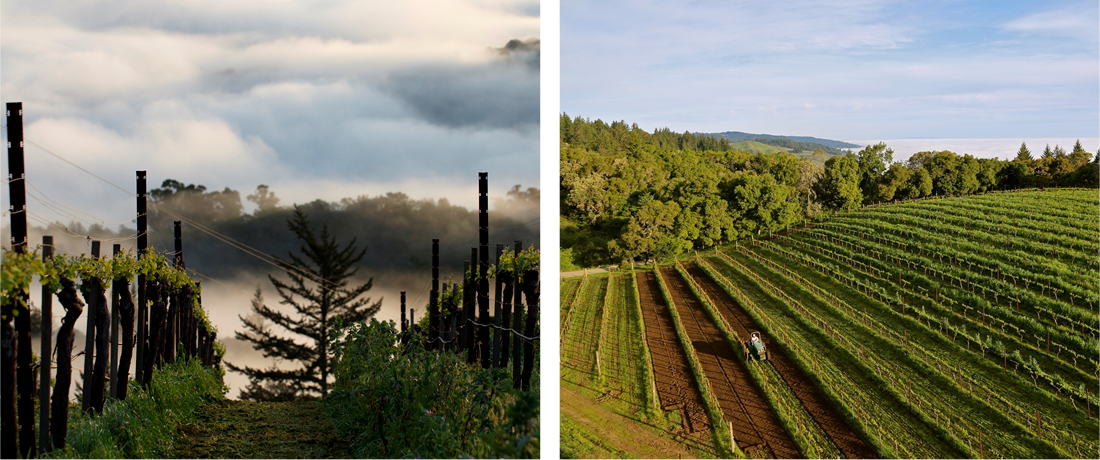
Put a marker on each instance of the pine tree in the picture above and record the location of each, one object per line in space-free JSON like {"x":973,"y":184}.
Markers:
{"x":1047,"y":153}
{"x":1077,"y":147}
{"x":1023,"y":154}
{"x":318,"y":291}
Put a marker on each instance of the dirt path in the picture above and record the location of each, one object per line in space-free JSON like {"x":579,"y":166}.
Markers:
{"x":823,"y":412}
{"x":246,"y":429}
{"x":754,"y":424}
{"x":676,"y":387}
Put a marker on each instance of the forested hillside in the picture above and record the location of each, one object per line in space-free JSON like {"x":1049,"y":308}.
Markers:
{"x":629,"y":194}
{"x":395,"y":229}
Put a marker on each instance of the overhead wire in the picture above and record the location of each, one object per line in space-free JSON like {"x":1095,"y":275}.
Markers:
{"x":420,"y":298}
{"x":221,"y":237}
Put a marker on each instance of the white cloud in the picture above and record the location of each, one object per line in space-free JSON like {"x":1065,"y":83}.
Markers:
{"x":290,"y":94}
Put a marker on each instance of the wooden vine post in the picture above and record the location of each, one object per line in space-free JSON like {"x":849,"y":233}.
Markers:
{"x":44,"y":356}
{"x":468,"y":307}
{"x":510,"y":288}
{"x":102,"y":336}
{"x":89,"y":288}
{"x":16,"y":341}
{"x":497,"y":307}
{"x":464,"y":327}
{"x":172,"y":300}
{"x":403,"y":323}
{"x":531,"y":293}
{"x":452,"y":320}
{"x":121,"y":293}
{"x":142,"y":303}
{"x":433,"y":301}
{"x":517,"y":318}
{"x":112,"y":370}
{"x":483,"y":266}
{"x":59,"y":405}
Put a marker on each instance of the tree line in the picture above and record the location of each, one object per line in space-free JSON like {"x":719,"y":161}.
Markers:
{"x":392,"y":226}
{"x":627,"y":194}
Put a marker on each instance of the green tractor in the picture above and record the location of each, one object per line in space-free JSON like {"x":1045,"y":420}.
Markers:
{"x":754,"y":347}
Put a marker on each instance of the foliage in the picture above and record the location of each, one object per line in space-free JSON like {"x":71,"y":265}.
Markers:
{"x":317,"y":290}
{"x":839,"y":187}
{"x":193,"y":201}
{"x":21,"y":268}
{"x":394,"y":399}
{"x":873,"y":161}
{"x":1024,"y":154}
{"x":629,"y":194}
{"x":525,"y":260}
{"x":145,"y":424}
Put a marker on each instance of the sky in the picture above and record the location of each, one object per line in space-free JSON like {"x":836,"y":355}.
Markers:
{"x":316,"y":99}
{"x":842,"y":69}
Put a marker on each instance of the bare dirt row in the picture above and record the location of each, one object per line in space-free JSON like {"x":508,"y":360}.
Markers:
{"x":754,"y":424}
{"x":824,"y":413}
{"x":676,"y":386}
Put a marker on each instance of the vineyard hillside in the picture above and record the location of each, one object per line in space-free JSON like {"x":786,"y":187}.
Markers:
{"x":942,"y":327}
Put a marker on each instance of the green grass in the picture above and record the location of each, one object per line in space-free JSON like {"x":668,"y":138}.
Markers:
{"x":579,"y":347}
{"x":966,"y":415}
{"x":621,"y":349}
{"x":1014,"y":396}
{"x":877,"y":413}
{"x":578,"y":442}
{"x":146,"y":424}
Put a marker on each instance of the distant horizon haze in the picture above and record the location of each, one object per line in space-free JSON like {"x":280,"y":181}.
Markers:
{"x":1004,"y":148}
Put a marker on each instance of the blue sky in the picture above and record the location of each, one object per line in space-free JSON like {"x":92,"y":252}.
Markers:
{"x":847,"y":69}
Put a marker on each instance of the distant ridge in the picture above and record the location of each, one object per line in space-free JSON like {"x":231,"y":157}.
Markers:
{"x":735,"y":136}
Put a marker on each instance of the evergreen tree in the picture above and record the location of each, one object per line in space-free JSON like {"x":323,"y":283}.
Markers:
{"x":318,"y":291}
{"x":1077,"y":147}
{"x":1023,"y":154}
{"x":1047,"y":153}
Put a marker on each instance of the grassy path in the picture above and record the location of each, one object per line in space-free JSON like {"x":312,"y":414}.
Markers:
{"x":246,"y":429}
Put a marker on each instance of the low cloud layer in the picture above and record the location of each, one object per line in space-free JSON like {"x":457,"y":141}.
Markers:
{"x":290,"y":95}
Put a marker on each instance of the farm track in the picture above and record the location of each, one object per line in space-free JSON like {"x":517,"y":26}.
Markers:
{"x":823,"y":412}
{"x":580,"y":341}
{"x":671,"y":371}
{"x":621,"y":364}
{"x":248,"y":429}
{"x":742,"y":403}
